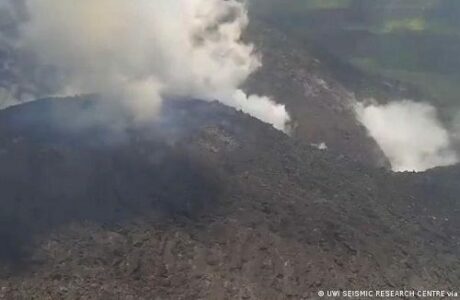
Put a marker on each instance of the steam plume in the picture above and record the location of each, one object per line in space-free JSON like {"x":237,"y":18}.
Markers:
{"x":410,"y":134}
{"x":140,"y":51}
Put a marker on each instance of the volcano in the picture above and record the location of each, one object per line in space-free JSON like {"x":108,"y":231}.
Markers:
{"x":206,"y":202}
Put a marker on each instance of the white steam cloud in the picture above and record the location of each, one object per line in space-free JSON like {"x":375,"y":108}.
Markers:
{"x":142,"y":50}
{"x":7,"y":99}
{"x":410,"y":134}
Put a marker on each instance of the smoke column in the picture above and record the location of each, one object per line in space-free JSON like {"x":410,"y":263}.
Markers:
{"x":140,"y":51}
{"x":410,"y":134}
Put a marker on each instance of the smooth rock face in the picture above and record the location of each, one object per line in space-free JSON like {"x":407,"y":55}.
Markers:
{"x":206,"y":203}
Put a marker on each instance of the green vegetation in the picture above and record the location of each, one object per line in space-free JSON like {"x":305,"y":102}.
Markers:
{"x":413,"y":41}
{"x":321,"y":4}
{"x":408,"y":24}
{"x":445,"y":89}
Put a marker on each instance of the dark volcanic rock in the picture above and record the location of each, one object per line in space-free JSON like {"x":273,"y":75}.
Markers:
{"x":321,"y":107}
{"x":203,"y":203}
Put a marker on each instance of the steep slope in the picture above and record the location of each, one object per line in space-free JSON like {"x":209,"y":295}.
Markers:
{"x":203,"y":203}
{"x":321,"y":107}
{"x":387,"y":51}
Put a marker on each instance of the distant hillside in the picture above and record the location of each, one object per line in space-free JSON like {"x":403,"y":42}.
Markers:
{"x":415,"y":42}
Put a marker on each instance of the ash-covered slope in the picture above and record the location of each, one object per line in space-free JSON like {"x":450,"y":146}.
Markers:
{"x":321,"y":107}
{"x":203,"y":203}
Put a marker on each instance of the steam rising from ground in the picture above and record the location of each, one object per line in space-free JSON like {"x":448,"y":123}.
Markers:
{"x":140,"y":51}
{"x":410,"y":135}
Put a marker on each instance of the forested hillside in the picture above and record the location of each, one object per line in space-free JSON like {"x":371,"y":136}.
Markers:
{"x":409,"y":41}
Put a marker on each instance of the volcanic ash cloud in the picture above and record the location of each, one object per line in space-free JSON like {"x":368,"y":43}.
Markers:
{"x":410,"y":134}
{"x":142,"y":51}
